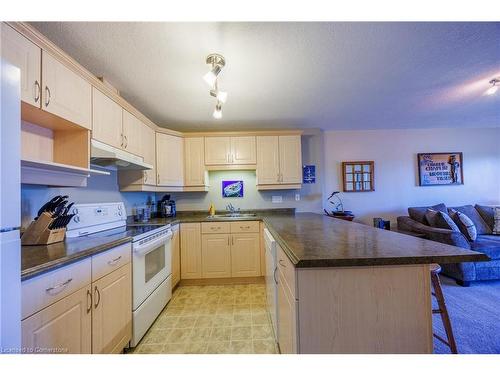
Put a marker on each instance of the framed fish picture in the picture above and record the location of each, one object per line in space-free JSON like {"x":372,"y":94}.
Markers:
{"x":441,"y":168}
{"x":232,"y":189}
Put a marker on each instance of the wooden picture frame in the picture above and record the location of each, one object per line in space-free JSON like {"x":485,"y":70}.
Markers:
{"x":358,"y":176}
{"x":440,"y":168}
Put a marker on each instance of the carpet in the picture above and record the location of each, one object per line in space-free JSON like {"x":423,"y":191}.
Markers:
{"x":475,"y":317}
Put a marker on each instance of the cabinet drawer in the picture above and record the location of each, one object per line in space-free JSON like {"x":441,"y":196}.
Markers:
{"x":287,"y":270}
{"x":44,"y":290}
{"x":245,"y":227}
{"x":216,"y":227}
{"x":110,"y":260}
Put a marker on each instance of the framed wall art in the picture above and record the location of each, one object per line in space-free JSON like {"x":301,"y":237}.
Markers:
{"x":358,"y":176}
{"x":232,"y":189}
{"x":440,"y":168}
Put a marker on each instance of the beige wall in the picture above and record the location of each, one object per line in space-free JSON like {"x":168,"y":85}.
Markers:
{"x":396,"y":175}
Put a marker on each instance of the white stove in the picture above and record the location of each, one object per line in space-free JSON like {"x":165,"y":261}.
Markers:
{"x":151,"y":258}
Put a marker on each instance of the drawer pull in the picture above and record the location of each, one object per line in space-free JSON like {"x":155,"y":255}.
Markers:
{"x":59,"y":286}
{"x":247,"y":227}
{"x":98,"y":296}
{"x":114,"y":261}
{"x":282,"y":263}
{"x":214,"y":228}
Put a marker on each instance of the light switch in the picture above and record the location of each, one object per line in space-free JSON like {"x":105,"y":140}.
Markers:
{"x":297,"y":197}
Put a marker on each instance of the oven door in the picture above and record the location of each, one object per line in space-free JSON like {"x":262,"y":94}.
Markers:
{"x":151,"y":265}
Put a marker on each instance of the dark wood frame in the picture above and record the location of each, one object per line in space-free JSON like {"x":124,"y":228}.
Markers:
{"x":460,"y":155}
{"x":372,"y":174}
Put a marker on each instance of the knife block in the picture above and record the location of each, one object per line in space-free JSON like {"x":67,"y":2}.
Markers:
{"x":38,"y":232}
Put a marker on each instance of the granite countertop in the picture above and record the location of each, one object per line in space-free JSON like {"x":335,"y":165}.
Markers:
{"x":309,"y":240}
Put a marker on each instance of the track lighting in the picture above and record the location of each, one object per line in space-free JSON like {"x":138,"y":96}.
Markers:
{"x":217,"y":62}
{"x":494,"y":86}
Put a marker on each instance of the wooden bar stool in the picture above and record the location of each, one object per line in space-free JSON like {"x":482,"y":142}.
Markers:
{"x":442,"y":310}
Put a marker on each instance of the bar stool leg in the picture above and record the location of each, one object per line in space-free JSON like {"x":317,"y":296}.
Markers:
{"x":443,"y":311}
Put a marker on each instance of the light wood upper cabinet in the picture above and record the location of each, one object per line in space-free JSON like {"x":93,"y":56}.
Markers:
{"x":217,"y":150}
{"x":190,"y":251}
{"x":65,"y":93}
{"x":194,"y":162}
{"x":133,"y":131}
{"x":245,"y":254}
{"x":176,"y":256}
{"x":230,"y":150}
{"x":268,"y":160}
{"x":112,"y":311}
{"x":169,"y":160}
{"x":106,"y":119}
{"x":215,"y":256}
{"x":290,"y":159}
{"x":27,"y":56}
{"x":65,"y":325}
{"x":149,"y":153}
{"x":279,"y":160}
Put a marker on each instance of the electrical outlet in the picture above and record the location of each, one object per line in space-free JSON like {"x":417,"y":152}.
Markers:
{"x":277,"y":199}
{"x":297,"y":197}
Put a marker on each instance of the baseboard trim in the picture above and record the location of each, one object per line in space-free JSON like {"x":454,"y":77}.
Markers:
{"x":223,"y":281}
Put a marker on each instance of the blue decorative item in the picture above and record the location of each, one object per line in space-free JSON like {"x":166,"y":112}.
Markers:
{"x":232,"y":189}
{"x":309,"y":174}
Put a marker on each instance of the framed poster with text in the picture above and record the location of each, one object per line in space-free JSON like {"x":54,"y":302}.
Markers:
{"x":441,"y":168}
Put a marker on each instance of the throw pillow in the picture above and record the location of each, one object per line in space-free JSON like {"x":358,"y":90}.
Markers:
{"x":481,"y":226}
{"x":446,"y":222}
{"x":496,"y":224}
{"x":431,"y":216}
{"x":465,"y":224}
{"x":487,"y":213}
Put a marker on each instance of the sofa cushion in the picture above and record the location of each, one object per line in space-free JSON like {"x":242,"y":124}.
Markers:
{"x":438,"y":219}
{"x":487,"y":244}
{"x":418,"y":213}
{"x":496,"y":221}
{"x":471,"y":213}
{"x":487,"y":213}
{"x":464,"y":223}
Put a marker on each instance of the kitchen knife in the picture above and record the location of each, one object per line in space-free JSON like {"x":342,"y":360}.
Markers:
{"x":47,"y":206}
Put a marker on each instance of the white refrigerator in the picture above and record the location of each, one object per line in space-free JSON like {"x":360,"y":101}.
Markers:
{"x":10,"y":207}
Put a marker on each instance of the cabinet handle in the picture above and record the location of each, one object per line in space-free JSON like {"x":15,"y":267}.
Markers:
{"x":98,"y":296}
{"x":227,"y":158}
{"x":232,"y":158}
{"x":232,"y":240}
{"x":114,"y":261}
{"x":247,"y":227}
{"x":59,"y":286}
{"x":278,"y":178}
{"x":158,"y":179}
{"x":145,"y":176}
{"x":37,"y":91}
{"x":214,"y":228}
{"x":282,"y":263}
{"x":126,"y":141}
{"x":89,"y":298}
{"x":121,"y":137}
{"x":274,"y":275}
{"x":47,"y":100}
{"x":228,"y":241}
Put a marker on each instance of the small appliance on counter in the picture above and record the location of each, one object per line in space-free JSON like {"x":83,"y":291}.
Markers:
{"x":166,"y":207}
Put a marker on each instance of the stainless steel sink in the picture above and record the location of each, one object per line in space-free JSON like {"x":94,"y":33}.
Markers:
{"x":232,"y":216}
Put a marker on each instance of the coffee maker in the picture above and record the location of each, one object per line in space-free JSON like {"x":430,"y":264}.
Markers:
{"x":166,"y":206}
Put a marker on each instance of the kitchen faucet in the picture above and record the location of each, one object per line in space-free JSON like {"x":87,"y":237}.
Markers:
{"x":232,"y":209}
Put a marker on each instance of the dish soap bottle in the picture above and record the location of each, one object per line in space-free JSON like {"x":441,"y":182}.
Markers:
{"x":211,"y":209}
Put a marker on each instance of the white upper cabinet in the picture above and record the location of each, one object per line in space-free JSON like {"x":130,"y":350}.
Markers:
{"x":290,"y":159}
{"x":65,"y":93}
{"x":217,"y":150}
{"x":194,"y":162}
{"x":230,"y":150}
{"x":106,"y":120}
{"x":27,"y":56}
{"x":169,"y":160}
{"x":133,"y":131}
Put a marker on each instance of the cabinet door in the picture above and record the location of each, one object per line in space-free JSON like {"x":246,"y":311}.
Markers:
{"x":132,"y":134}
{"x":190,"y":251}
{"x":176,"y":256}
{"x":20,"y":52}
{"x":149,"y":153}
{"x":64,"y":327}
{"x":243,"y":150}
{"x":286,"y":320}
{"x":169,"y":160}
{"x":65,"y":93}
{"x":268,"y":162}
{"x":106,"y":120}
{"x":194,"y":159}
{"x":217,"y":150}
{"x":290,"y":159}
{"x":215,"y":256}
{"x":112,"y":311}
{"x":245,"y":254}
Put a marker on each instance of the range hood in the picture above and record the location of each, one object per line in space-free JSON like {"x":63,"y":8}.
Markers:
{"x":104,"y":155}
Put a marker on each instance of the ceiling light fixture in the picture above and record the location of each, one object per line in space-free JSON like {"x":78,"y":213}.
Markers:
{"x":217,"y":62}
{"x":494,"y":86}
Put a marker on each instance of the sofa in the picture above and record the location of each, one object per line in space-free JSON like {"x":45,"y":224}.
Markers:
{"x":486,"y":242}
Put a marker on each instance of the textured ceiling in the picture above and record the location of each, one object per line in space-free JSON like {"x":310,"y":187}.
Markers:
{"x":324,"y":75}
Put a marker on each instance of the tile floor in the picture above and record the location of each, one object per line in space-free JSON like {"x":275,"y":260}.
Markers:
{"x":215,"y":319}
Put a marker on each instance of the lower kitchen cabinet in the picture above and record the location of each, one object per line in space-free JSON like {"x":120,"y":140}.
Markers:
{"x":287,"y":318}
{"x":245,"y":254}
{"x":191,"y":251}
{"x":111,"y":311}
{"x":215,"y":256}
{"x":64,"y":327}
{"x":176,"y":256}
